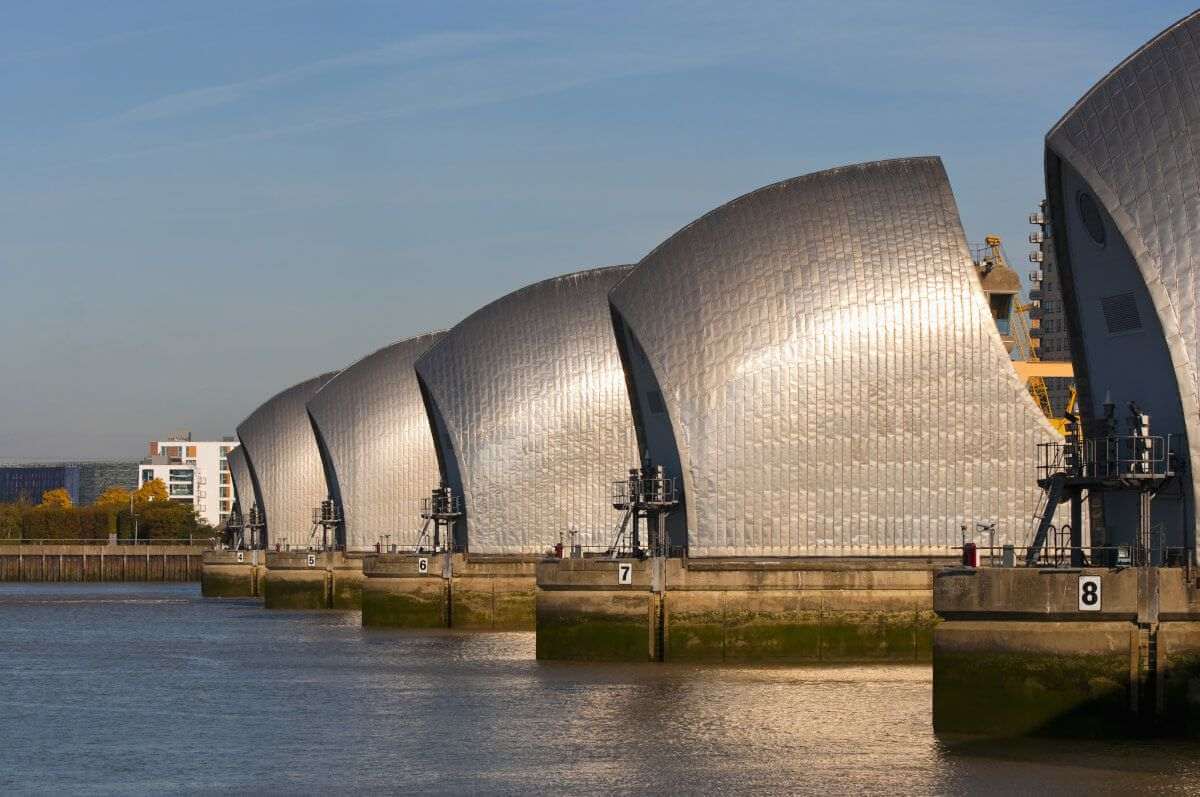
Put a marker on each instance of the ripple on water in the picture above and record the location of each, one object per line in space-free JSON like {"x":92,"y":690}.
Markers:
{"x":147,"y":688}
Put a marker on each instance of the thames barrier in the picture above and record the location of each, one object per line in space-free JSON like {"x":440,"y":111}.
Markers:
{"x":798,"y":430}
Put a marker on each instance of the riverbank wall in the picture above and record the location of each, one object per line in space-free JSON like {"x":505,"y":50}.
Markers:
{"x":1066,"y":652}
{"x":736,"y":610}
{"x":34,"y":563}
{"x":463,"y":591}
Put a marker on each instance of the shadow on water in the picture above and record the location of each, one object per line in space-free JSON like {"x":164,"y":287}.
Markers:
{"x":120,"y":688}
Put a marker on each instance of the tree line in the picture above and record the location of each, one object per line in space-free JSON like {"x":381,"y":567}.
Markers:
{"x":146,"y":511}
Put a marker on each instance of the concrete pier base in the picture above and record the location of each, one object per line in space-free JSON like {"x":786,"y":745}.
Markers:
{"x":1017,"y":654}
{"x":763,"y":610}
{"x":232,"y":574}
{"x":312,"y":580}
{"x":463,"y":591}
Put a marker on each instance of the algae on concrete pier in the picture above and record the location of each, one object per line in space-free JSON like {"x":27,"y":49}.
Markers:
{"x":312,"y":580}
{"x":232,"y":574}
{"x":403,"y":590}
{"x":762,"y":610}
{"x":1018,"y":654}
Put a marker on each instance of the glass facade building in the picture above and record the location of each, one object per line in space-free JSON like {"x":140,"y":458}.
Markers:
{"x":83,"y":481}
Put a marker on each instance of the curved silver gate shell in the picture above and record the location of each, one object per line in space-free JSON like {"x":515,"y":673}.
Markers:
{"x":378,"y":451}
{"x":282,"y":450}
{"x":1133,"y":143}
{"x":831,"y":373}
{"x":243,"y":484}
{"x":533,"y":400}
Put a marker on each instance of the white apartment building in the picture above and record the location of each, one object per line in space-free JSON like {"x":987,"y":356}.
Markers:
{"x":195,"y":472}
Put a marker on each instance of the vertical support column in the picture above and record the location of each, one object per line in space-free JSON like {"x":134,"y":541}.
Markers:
{"x":1076,"y":528}
{"x":448,"y":579}
{"x":658,"y":598}
{"x":1144,"y":541}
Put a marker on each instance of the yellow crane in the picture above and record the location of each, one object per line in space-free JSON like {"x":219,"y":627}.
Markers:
{"x":1026,"y":350}
{"x":1029,"y":366}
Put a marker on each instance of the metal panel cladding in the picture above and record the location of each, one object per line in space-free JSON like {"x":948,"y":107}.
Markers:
{"x":374,"y":435}
{"x":532,"y":396}
{"x":831,"y":370}
{"x":279,"y":443}
{"x":243,"y":485}
{"x":1133,"y":143}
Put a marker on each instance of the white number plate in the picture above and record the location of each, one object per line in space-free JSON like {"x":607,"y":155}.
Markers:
{"x":1089,"y":593}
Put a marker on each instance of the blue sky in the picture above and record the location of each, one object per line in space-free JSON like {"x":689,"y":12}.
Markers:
{"x":202,"y":203}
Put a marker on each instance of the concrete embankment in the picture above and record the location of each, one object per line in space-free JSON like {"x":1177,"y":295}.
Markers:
{"x":312,"y":580}
{"x":768,"y":610}
{"x":233,"y":574}
{"x":465,"y":591}
{"x":1079,"y":652}
{"x":100,"y":562}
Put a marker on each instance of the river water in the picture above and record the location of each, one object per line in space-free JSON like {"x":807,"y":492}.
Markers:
{"x":148,"y":688}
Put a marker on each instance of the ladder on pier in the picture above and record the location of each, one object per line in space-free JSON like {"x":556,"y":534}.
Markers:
{"x":1052,"y":496}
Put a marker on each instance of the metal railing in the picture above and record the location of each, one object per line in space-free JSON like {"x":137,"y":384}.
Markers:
{"x":441,"y":505}
{"x":645,"y":492}
{"x":193,"y":541}
{"x":1060,"y":556}
{"x":314,"y":547}
{"x":1109,"y":458}
{"x":606,"y":552}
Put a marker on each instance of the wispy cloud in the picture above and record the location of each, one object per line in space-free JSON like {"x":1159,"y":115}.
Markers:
{"x":436,"y":45}
{"x":469,"y":82}
{"x":71,"y":49}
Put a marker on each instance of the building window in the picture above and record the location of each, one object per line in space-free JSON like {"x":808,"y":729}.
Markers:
{"x":147,"y":476}
{"x":191,"y":451}
{"x":224,"y":491}
{"x":181,"y":489}
{"x":181,"y":475}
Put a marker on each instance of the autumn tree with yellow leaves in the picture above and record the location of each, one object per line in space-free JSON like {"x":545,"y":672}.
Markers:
{"x":57,"y":498}
{"x":153,"y":490}
{"x":157,"y":517}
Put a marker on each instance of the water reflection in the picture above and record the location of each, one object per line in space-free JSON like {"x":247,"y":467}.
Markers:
{"x":148,"y":688}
